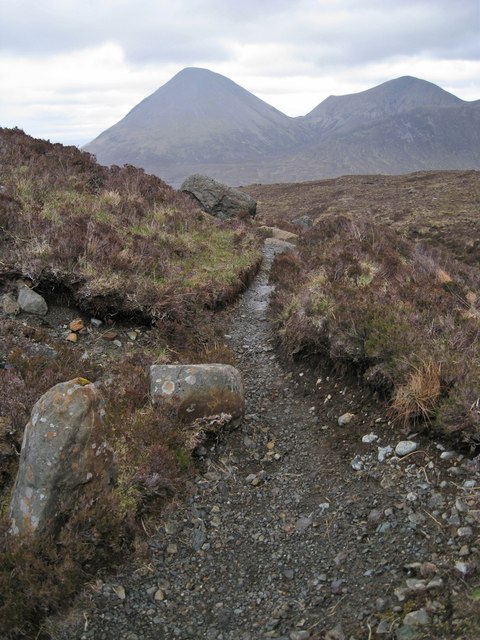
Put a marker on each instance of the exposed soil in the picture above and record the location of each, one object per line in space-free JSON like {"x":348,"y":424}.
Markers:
{"x":294,"y":529}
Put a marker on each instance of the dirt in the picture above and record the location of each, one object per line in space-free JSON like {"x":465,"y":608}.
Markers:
{"x":293,"y":528}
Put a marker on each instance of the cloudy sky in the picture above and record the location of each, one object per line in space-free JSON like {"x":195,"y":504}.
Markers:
{"x":71,"y":68}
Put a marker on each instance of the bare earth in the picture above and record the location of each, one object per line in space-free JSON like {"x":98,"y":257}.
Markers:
{"x":281,"y":537}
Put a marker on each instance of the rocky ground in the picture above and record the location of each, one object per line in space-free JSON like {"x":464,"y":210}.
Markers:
{"x":298,"y":527}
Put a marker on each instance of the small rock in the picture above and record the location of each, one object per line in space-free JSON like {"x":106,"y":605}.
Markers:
{"x":172,"y":548}
{"x":463,"y":567}
{"x":132,"y":335}
{"x":383,"y":452}
{"x":76,"y":325}
{"x":299,"y":635}
{"x":72,"y":337}
{"x":120,"y":592}
{"x":405,"y":632}
{"x":369,"y":438}
{"x":416,"y":584}
{"x":31,"y":302}
{"x":464,"y":551}
{"x":447,"y":455}
{"x":159,"y":595}
{"x":117,"y":343}
{"x":357,"y":463}
{"x":405,"y":447}
{"x":95,"y":322}
{"x":383,"y":627}
{"x":110,"y":335}
{"x":336,"y":633}
{"x":418,"y":618}
{"x":464,"y":532}
{"x":345,"y":419}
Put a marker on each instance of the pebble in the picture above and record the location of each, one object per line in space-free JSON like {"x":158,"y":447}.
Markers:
{"x":404,"y":447}
{"x":464,"y":532}
{"x":418,"y":618}
{"x":357,"y":463}
{"x":383,"y":452}
{"x":345,"y":419}
{"x":369,"y":438}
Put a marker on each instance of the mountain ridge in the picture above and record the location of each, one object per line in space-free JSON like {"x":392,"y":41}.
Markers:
{"x":202,"y":122}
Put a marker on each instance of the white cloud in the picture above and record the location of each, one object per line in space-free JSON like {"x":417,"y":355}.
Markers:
{"x":71,"y":68}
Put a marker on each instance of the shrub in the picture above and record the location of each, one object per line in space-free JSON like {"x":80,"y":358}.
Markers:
{"x":403,"y":315}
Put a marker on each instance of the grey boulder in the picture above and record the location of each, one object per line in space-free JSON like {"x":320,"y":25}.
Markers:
{"x":30,"y":301}
{"x":61,"y":452}
{"x":198,"y":391}
{"x":218,"y":199}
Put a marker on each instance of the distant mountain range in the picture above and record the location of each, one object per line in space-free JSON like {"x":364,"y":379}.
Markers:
{"x":202,"y":122}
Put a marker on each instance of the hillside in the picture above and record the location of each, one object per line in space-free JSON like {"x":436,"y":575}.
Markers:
{"x":202,"y":122}
{"x":440,"y":207}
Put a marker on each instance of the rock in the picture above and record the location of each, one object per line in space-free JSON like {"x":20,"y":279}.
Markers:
{"x":418,"y":618}
{"x":405,"y":447}
{"x":9,"y":305}
{"x":95,"y":322}
{"x":383,"y":452}
{"x":76,"y":325}
{"x":120,"y":592}
{"x":72,"y":337}
{"x":305,"y":222}
{"x":369,"y":438}
{"x":55,"y":460}
{"x":406,"y":632}
{"x":464,"y":532}
{"x":110,"y":335}
{"x":218,"y":199}
{"x":345,"y":419}
{"x":198,"y":391}
{"x":278,"y":234}
{"x":30,"y":301}
{"x":357,"y":463}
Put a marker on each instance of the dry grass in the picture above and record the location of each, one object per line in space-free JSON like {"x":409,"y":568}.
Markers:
{"x":417,"y":400}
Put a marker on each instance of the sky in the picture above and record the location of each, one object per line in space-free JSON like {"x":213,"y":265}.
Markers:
{"x":69,"y":69}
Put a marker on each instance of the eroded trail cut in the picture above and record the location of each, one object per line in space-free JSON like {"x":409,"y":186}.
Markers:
{"x":297,"y":527}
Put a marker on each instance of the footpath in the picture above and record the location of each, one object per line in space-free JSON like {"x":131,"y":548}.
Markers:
{"x":297,"y":527}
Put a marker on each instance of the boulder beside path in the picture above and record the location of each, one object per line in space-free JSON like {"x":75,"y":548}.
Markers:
{"x":218,"y":199}
{"x":199,"y":390}
{"x":62,"y":450}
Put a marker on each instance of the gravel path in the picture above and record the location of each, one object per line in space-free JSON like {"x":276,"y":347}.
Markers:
{"x":295,"y":529}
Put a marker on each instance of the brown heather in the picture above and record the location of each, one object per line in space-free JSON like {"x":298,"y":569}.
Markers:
{"x":403,"y":315}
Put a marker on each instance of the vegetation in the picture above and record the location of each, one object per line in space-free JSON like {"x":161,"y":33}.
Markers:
{"x":118,"y":244}
{"x":116,"y":240}
{"x":404,"y":316}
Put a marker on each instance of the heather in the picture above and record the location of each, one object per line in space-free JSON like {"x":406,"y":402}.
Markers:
{"x":402,"y":315}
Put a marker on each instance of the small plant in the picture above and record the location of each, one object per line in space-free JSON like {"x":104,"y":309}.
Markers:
{"x":417,"y":400}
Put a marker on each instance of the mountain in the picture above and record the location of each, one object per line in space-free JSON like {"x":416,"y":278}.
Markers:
{"x":197,"y":118}
{"x":202,"y":122}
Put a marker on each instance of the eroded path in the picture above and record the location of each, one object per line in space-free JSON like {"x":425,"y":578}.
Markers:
{"x":283,"y":538}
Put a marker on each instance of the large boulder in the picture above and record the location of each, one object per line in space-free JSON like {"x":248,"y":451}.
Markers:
{"x":62,"y":450}
{"x":218,"y":199}
{"x":198,"y":390}
{"x":30,"y":301}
